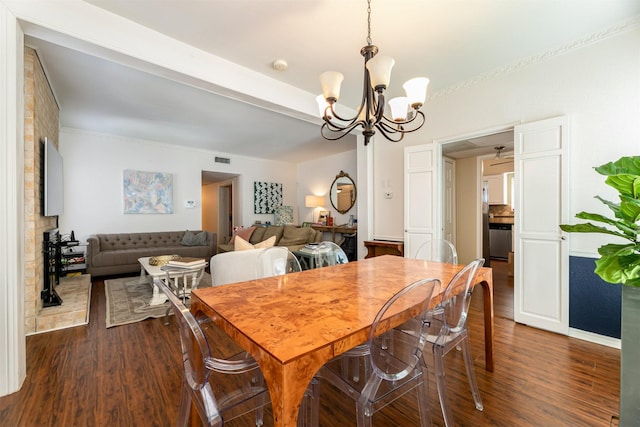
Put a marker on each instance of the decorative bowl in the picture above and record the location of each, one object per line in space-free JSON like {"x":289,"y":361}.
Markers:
{"x":161,"y":260}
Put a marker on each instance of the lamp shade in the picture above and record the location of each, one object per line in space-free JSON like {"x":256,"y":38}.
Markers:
{"x":416,"y":90}
{"x":380,"y":70}
{"x":399,"y":107}
{"x":313,"y":201}
{"x":331,"y":82}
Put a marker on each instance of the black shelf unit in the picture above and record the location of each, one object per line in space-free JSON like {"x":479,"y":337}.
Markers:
{"x":73,"y":258}
{"x":61,"y":257}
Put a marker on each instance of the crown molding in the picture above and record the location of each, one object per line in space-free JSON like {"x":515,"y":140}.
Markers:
{"x":613,"y":31}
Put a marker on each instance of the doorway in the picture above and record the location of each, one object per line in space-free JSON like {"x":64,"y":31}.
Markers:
{"x":219,"y":211}
{"x":467,"y":206}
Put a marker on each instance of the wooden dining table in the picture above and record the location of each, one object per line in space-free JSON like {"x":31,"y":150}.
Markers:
{"x":293,"y":324}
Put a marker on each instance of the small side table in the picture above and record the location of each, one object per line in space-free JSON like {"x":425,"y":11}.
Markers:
{"x":307,"y":259}
{"x":383,"y":247}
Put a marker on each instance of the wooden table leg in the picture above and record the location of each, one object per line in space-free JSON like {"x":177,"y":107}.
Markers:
{"x":487,"y":292}
{"x":287,"y":384}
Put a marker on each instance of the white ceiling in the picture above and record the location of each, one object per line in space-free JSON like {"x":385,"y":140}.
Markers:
{"x":448,"y":41}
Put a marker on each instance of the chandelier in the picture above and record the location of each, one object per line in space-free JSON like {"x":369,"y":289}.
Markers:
{"x":405,"y":111}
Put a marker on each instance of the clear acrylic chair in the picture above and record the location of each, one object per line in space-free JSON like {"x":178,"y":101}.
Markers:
{"x":276,"y":261}
{"x":181,"y":281}
{"x":449,"y":330}
{"x":242,"y":390}
{"x":329,"y":253}
{"x":439,"y":250}
{"x":395,"y":356}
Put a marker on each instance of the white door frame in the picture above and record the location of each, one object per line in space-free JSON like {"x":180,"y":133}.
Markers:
{"x":449,"y":200}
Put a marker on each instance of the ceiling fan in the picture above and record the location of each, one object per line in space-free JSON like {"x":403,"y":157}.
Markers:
{"x":504,"y":160}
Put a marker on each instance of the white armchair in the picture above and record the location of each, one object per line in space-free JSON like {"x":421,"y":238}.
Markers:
{"x":235,"y":266}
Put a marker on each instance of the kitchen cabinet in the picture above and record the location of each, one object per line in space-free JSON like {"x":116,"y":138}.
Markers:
{"x":497,"y":193}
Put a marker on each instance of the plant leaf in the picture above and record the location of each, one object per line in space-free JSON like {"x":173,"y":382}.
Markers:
{"x":623,"y":175}
{"x":615,"y":207}
{"x":613,"y":249}
{"x":623,"y":165}
{"x":619,"y":269}
{"x":630,"y":208}
{"x":590,"y":228}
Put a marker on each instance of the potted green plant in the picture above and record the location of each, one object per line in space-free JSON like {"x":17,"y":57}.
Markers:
{"x":620,"y":263}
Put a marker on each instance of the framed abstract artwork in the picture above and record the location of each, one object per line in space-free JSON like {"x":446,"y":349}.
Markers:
{"x":267,"y":196}
{"x":283,"y":215}
{"x":147,"y":192}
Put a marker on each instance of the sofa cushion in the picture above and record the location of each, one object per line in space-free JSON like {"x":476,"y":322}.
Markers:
{"x":296,"y":236}
{"x":242,"y":245}
{"x":257,"y":235}
{"x":192,"y":239}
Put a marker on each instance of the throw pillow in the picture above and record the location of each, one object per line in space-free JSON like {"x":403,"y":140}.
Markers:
{"x":242,"y":245}
{"x":188,"y":238}
{"x":191,"y":239}
{"x":200,"y":239}
{"x":245,"y":233}
{"x":273,"y":230}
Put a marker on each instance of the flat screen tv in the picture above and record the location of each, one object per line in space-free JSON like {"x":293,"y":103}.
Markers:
{"x":53,"y":180}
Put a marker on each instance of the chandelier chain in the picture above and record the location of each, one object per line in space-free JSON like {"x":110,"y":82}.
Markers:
{"x":369,"y":42}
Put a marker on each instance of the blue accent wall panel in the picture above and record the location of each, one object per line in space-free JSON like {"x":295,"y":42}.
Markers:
{"x":594,"y":305}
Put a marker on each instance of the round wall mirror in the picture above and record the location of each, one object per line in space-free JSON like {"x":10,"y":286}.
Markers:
{"x":343,"y":193}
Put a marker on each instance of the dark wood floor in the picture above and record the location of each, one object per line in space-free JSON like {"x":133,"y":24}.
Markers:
{"x":130,"y":376}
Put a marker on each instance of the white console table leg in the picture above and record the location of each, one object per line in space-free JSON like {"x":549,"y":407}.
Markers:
{"x":158,"y":297}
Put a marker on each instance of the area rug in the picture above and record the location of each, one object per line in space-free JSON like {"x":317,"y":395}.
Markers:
{"x":128,"y":300}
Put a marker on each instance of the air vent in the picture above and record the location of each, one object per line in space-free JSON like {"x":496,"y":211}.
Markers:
{"x":223,"y":160}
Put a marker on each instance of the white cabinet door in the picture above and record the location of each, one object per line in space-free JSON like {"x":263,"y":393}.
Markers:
{"x":541,"y":282}
{"x":421,"y":183}
{"x":496,"y":189}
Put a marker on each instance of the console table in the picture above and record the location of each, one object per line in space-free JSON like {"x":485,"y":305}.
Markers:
{"x":383,"y":247}
{"x":342,"y":229}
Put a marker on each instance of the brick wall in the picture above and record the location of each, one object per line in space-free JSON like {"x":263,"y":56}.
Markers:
{"x":41,"y":118}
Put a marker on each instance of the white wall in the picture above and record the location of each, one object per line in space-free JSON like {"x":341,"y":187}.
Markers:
{"x":597,"y":85}
{"x":315,"y":178}
{"x":93,"y":165}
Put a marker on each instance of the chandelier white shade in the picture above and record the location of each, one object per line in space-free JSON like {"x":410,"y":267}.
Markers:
{"x":405,"y":111}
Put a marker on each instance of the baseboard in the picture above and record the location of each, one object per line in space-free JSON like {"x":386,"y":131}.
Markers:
{"x":595,"y":338}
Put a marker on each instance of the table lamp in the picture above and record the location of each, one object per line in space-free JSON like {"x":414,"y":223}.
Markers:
{"x":314,"y":202}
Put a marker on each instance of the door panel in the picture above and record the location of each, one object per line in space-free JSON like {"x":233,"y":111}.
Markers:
{"x":420,"y":184}
{"x":540,"y":296}
{"x":541,"y":285}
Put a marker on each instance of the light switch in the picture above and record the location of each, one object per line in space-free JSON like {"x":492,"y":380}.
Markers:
{"x":189,"y":204}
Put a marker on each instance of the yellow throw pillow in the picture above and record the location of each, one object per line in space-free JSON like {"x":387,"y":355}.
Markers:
{"x":242,"y":245}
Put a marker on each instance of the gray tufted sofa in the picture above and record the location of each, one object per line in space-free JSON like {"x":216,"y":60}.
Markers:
{"x":109,"y":254}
